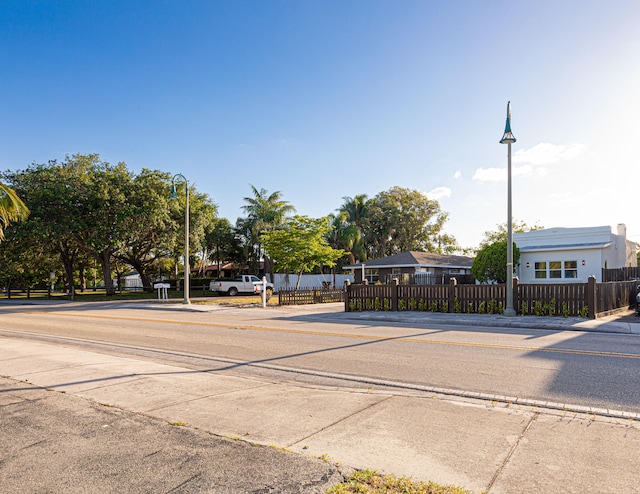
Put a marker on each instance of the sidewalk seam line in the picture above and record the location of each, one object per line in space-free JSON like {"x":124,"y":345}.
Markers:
{"x":340,"y":420}
{"x":511,"y":452}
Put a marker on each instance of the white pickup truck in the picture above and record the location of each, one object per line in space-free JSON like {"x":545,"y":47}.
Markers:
{"x":246,"y":283}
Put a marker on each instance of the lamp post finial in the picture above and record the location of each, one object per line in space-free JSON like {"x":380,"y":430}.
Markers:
{"x":508,"y":137}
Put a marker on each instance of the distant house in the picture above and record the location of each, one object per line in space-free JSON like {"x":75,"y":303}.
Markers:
{"x":222,"y":270}
{"x":571,"y":255}
{"x":433,"y":268}
{"x":225,"y":269}
{"x":130,"y":281}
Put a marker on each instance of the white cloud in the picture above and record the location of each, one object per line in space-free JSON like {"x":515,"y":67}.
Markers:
{"x":531,"y":161}
{"x":439,"y":193}
{"x":500,"y":174}
{"x":546,"y":153}
{"x":457,"y":174}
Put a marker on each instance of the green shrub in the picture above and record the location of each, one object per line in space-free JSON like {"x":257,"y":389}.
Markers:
{"x":433,"y":306}
{"x":538,"y":308}
{"x":551,"y":307}
{"x":402,"y":305}
{"x":524,"y":309}
{"x":457,"y":306}
{"x":422,"y":305}
{"x":565,"y":310}
{"x":482,"y":308}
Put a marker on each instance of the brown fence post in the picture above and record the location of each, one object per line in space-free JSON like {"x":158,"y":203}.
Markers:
{"x":347,"y":287}
{"x":394,"y":294}
{"x":591,"y":297}
{"x":453,"y":283}
{"x":516,"y":295}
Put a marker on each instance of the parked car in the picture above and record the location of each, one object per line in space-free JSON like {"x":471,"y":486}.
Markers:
{"x":246,"y":283}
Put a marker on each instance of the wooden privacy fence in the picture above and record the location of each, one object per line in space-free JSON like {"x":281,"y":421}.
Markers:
{"x":589,"y":299}
{"x":621,"y":274}
{"x":312,"y":296}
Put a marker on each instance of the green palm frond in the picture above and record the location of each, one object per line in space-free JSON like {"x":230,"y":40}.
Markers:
{"x":11,"y":208}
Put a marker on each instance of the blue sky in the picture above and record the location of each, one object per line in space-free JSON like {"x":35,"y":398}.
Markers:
{"x":327,"y":99}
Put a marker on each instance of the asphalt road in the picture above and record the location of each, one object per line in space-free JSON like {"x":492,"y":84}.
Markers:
{"x":586,"y":369}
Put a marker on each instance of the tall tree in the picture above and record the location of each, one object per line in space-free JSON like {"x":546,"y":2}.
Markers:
{"x":24,"y":261}
{"x":343,"y":235}
{"x":202,"y":217}
{"x":104,"y":191}
{"x":301,"y":245}
{"x":353,"y":218}
{"x":152,"y":229}
{"x":402,"y":219}
{"x":50,"y":192}
{"x":500,"y":233}
{"x":85,"y":206}
{"x":265,"y":212}
{"x":221,"y":242}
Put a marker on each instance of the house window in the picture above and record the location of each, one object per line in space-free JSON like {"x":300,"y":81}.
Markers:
{"x":371,"y":275}
{"x":397,"y":274}
{"x":570,"y":269}
{"x":555,"y":269}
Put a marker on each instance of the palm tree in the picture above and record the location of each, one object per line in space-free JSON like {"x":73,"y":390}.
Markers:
{"x":265,"y":212}
{"x":356,"y":211}
{"x":343,"y":234}
{"x":11,"y":208}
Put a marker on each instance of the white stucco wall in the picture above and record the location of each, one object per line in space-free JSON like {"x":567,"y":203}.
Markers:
{"x":592,"y":265}
{"x":309,"y":281}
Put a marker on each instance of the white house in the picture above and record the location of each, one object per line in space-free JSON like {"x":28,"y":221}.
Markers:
{"x":571,"y":255}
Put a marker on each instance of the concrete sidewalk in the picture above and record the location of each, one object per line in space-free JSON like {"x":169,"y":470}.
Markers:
{"x":480,"y":445}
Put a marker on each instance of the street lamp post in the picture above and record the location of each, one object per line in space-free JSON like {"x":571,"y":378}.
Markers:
{"x":174,"y":195}
{"x":508,"y":139}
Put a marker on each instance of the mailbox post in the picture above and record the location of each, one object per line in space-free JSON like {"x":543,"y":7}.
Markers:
{"x":163,"y":293}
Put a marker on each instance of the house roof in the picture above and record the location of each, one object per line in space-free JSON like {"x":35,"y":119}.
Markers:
{"x":416,"y":259}
{"x":214,"y":267}
{"x":581,"y":246}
